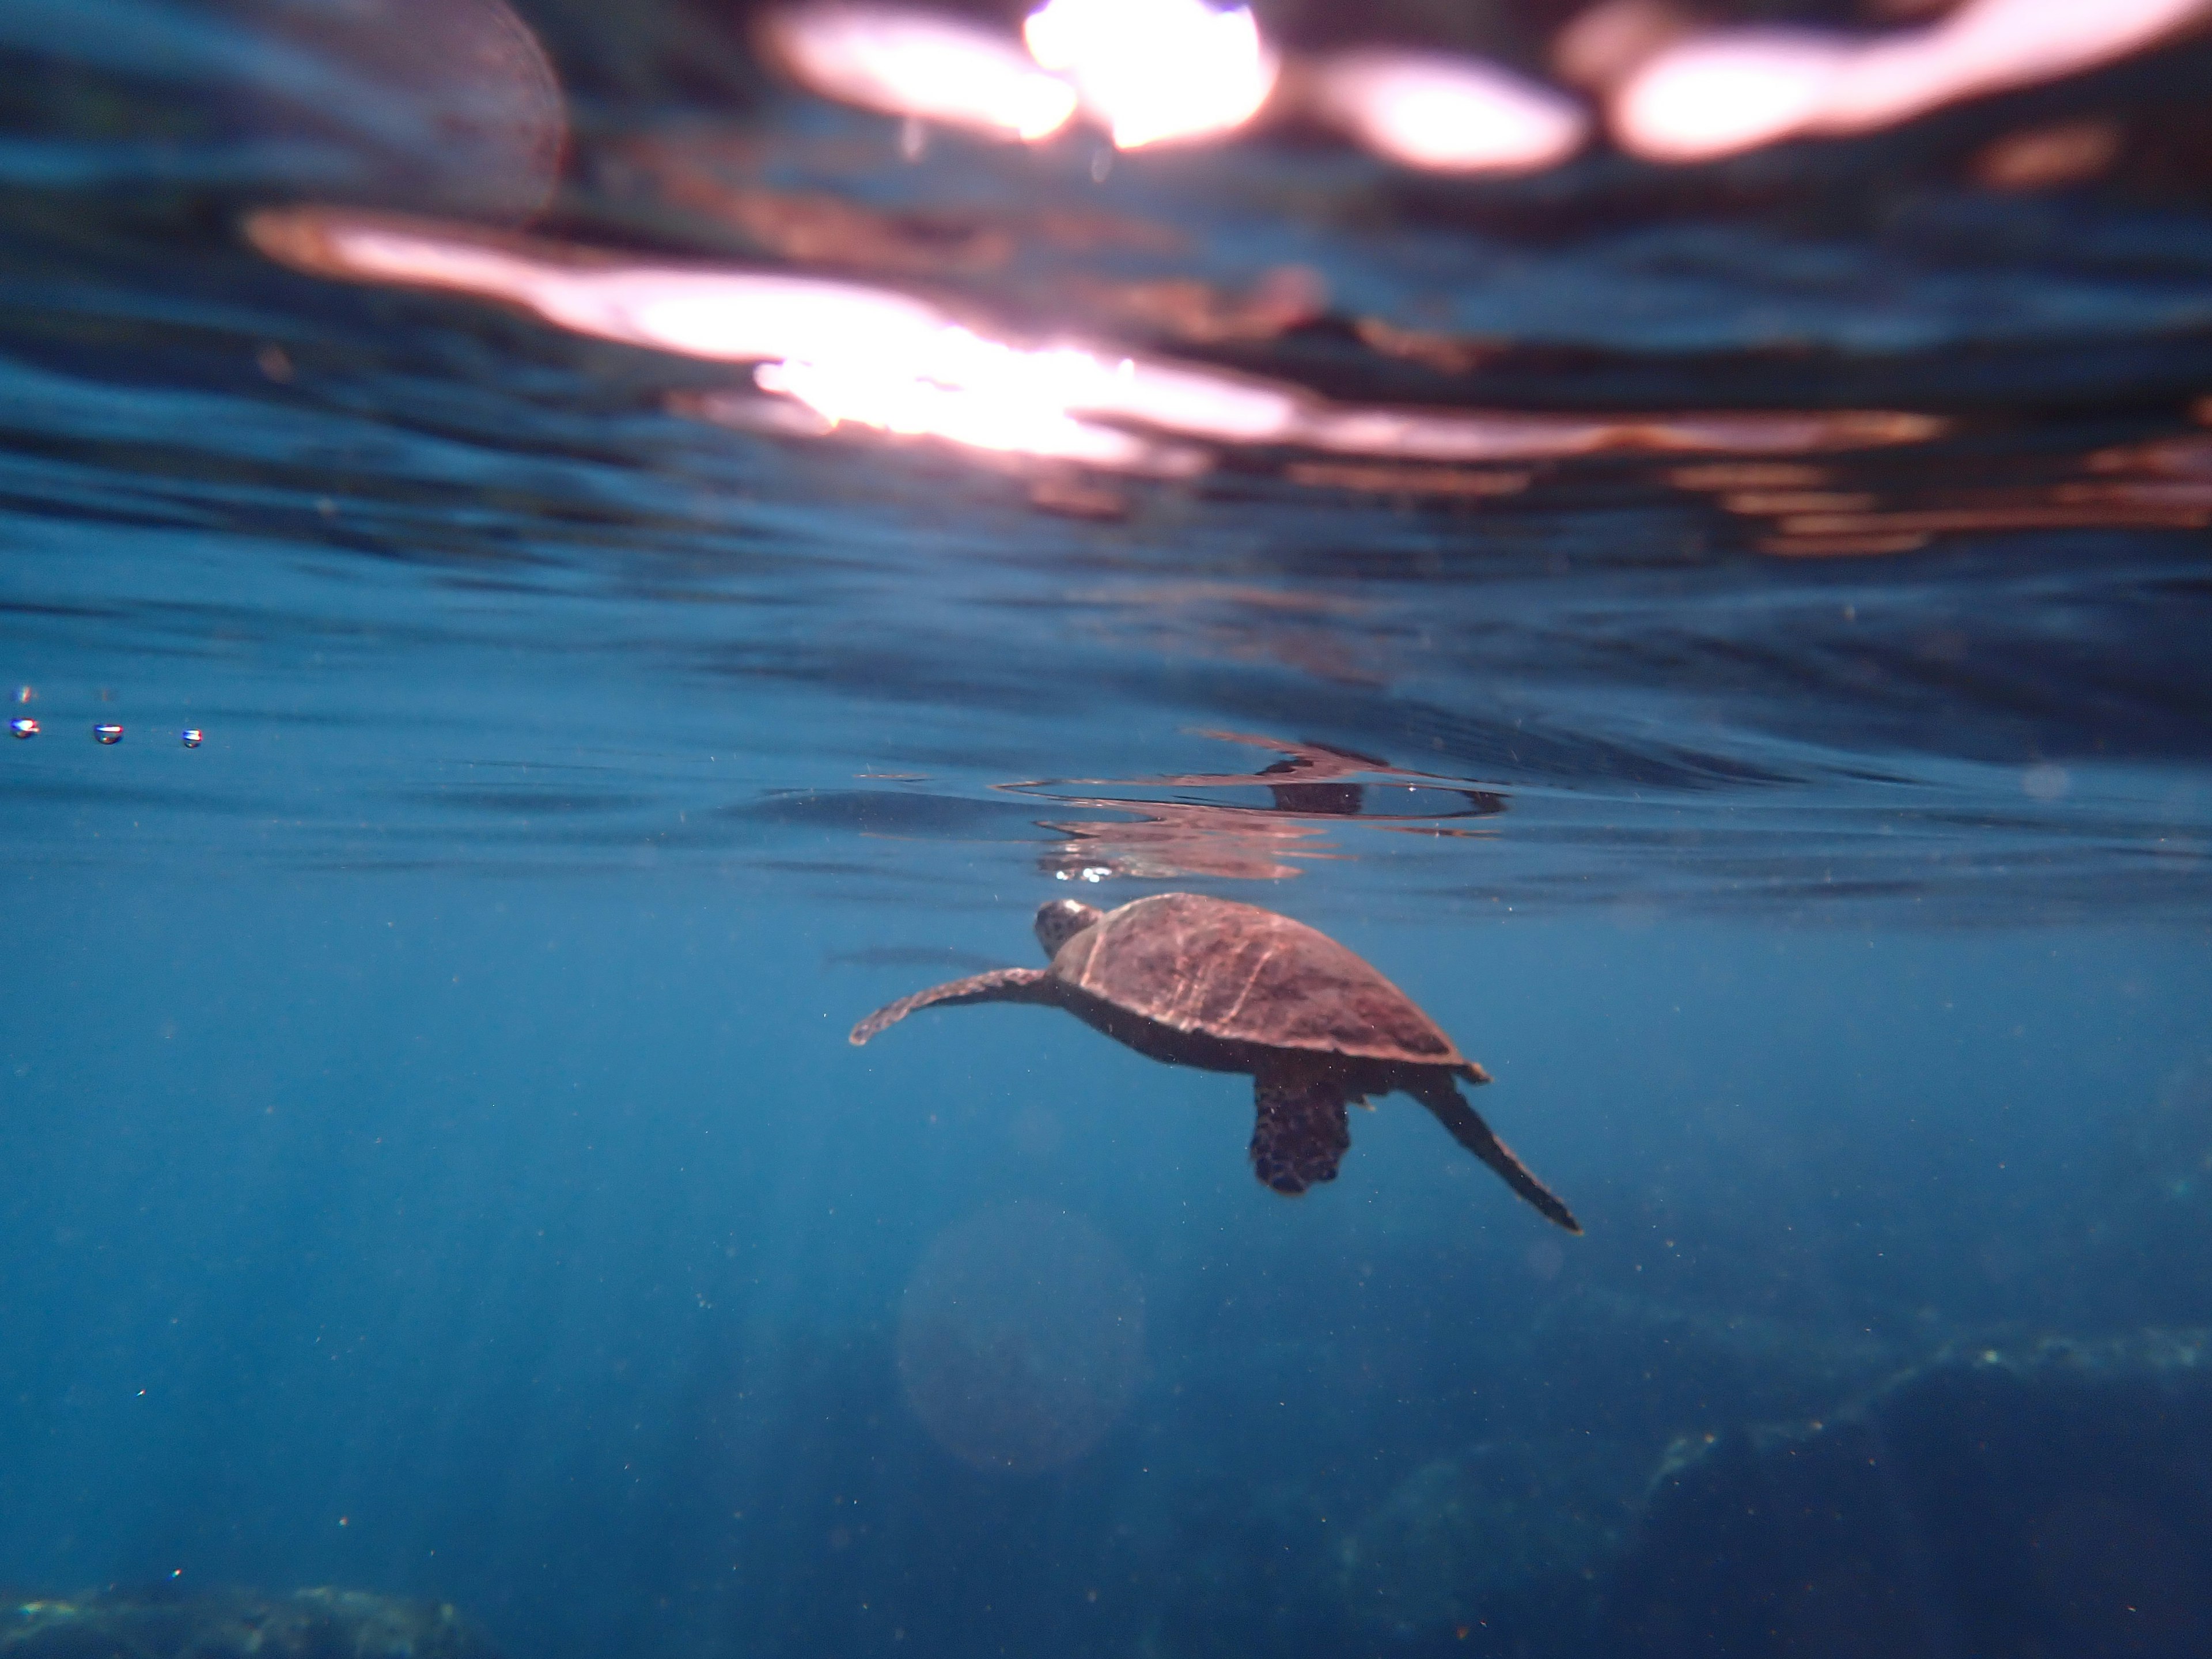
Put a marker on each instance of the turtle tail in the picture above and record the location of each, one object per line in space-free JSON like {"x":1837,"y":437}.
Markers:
{"x":1437,"y":1092}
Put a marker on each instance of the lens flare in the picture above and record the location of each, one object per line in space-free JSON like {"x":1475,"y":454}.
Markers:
{"x":915,"y":64}
{"x":1445,"y":114}
{"x":1021,"y":1339}
{"x":1155,"y":70}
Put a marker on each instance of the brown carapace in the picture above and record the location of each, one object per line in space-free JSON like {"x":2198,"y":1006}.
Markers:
{"x":1231,"y":987}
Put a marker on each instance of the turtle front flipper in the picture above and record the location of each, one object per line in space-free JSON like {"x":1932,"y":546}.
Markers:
{"x":1437,"y":1092}
{"x":999,"y":985}
{"x":1300,"y":1134}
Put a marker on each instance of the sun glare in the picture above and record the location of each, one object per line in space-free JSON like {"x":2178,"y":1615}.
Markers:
{"x":1731,"y":90}
{"x":948,"y":382}
{"x":1155,"y":70}
{"x":877,"y":359}
{"x":1445,"y":114}
{"x":918,"y":64}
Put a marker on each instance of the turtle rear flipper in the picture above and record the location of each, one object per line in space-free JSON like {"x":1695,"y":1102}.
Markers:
{"x":999,"y":985}
{"x":1437,"y":1092}
{"x":1300,"y":1134}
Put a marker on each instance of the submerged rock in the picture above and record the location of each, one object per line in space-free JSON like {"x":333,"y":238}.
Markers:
{"x":2054,"y":1501}
{"x":309,"y":1624}
{"x":1504,"y":1540}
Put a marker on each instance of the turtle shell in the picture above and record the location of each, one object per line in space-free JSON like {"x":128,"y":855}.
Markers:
{"x":1245,"y":974}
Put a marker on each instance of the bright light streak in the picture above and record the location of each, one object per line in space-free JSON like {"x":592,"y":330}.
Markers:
{"x":951,"y":384}
{"x":725,"y":315}
{"x":1728,"y":92}
{"x":873,"y":358}
{"x":1152,"y":71}
{"x":1445,"y":114}
{"x":1483,"y":435}
{"x":1731,"y":90}
{"x":1198,"y":403}
{"x":1987,"y":45}
{"x":919,"y":64}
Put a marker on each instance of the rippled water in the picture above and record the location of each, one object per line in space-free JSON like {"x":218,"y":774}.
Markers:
{"x":436,"y":1165}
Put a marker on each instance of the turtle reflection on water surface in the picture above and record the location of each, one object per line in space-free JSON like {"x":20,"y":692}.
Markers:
{"x":1231,"y":987}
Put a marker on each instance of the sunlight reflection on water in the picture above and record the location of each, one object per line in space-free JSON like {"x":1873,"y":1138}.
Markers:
{"x":1715,"y":94}
{"x":916,"y":63}
{"x":876,"y":359}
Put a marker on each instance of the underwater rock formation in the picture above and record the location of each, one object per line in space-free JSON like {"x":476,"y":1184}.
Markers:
{"x":309,"y":1623}
{"x":1502,"y":1542}
{"x":2056,"y":1500}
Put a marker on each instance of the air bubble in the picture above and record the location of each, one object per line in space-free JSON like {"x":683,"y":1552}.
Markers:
{"x":23,"y":728}
{"x":108,"y":732}
{"x":191,"y":736}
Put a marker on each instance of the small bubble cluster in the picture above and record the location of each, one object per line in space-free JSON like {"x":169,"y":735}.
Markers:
{"x":108,"y":733}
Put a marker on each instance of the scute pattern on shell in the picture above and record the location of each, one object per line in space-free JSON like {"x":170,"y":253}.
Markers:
{"x":1246,"y":974}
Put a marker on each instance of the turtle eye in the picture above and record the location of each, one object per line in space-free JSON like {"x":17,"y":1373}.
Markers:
{"x":1058,"y":920}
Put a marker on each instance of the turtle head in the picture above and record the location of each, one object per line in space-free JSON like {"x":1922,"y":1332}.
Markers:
{"x":1060,"y":920}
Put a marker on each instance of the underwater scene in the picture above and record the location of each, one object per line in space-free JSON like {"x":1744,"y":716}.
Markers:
{"x":1112,"y":828}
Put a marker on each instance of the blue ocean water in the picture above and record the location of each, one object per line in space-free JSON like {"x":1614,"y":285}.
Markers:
{"x":436,"y":1165}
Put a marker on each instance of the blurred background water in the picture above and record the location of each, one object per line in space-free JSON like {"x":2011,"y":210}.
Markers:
{"x":666,"y":546}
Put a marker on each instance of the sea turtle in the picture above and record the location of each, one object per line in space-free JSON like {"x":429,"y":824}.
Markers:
{"x":1230,"y":987}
